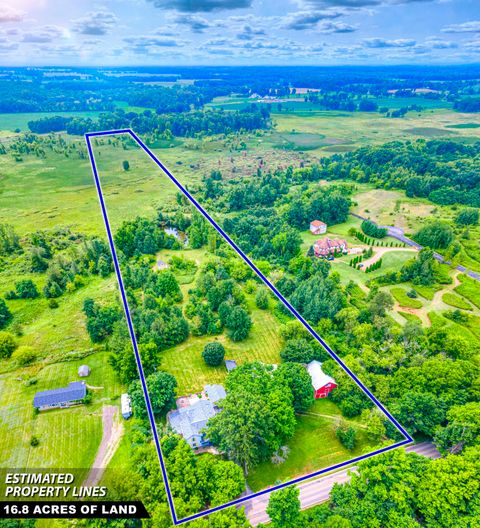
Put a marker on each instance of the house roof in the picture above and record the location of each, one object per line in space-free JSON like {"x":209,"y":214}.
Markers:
{"x":75,"y":391}
{"x":317,"y":223}
{"x":215,"y":392}
{"x":230,"y":364}
{"x":83,"y":370}
{"x":189,"y":421}
{"x":326,"y":243}
{"x":319,"y":378}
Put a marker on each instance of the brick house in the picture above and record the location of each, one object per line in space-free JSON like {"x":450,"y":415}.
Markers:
{"x":326,"y":246}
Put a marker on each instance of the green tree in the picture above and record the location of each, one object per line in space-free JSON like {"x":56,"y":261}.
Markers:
{"x":467,"y":217}
{"x":375,"y":427}
{"x":296,"y":377}
{"x":383,"y":492}
{"x":126,"y":165}
{"x":298,"y":350}
{"x":462,"y":430}
{"x":24,"y":355}
{"x":9,"y":240}
{"x":347,"y":436}
{"x":213,"y":354}
{"x":449,"y":491}
{"x":7,"y":345}
{"x":261,"y":299}
{"x":436,"y":235}
{"x":5,"y":315}
{"x":419,"y":412}
{"x":161,"y":389}
{"x":284,"y":508}
{"x":26,"y":289}
{"x":381,"y":303}
{"x":238,"y":324}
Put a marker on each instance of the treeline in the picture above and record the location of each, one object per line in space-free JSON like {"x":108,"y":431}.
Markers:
{"x":446,"y":172}
{"x":186,"y":124}
{"x":66,"y":258}
{"x":468,"y":104}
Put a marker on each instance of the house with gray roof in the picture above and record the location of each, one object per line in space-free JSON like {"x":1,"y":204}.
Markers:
{"x":190,"y":420}
{"x":230,"y":364}
{"x":215,"y":392}
{"x":64,"y":397}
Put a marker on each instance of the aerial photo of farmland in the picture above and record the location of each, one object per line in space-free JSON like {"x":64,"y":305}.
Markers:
{"x":354,"y":190}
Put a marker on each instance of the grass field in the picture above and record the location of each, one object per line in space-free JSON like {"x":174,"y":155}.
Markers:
{"x":69,"y":438}
{"x":185,"y":361}
{"x":410,"y":317}
{"x":314,"y":446}
{"x":12,"y":122}
{"x":400,"y":295}
{"x":470,"y":289}
{"x":60,"y":333}
{"x":456,"y":301}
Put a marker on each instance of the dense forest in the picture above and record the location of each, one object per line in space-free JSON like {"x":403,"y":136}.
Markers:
{"x":183,"y":124}
{"x":446,"y":172}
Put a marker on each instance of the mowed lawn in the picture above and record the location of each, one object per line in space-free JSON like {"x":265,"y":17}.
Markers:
{"x":470,"y":289}
{"x":391,"y":261}
{"x":313,"y":447}
{"x":69,"y":438}
{"x":185,"y":361}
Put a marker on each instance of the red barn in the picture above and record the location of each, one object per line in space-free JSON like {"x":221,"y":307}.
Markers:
{"x":322,"y":384}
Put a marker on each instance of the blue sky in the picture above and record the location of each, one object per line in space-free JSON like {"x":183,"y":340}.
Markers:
{"x":229,"y":32}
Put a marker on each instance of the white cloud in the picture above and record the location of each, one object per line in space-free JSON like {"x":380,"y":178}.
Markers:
{"x":96,"y":23}
{"x":466,"y":27}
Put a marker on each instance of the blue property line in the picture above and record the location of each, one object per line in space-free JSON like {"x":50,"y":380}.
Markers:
{"x":408,"y":438}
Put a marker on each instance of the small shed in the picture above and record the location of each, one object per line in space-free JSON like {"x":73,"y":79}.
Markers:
{"x":84,"y":371}
{"x":230,"y":364}
{"x":126,"y":406}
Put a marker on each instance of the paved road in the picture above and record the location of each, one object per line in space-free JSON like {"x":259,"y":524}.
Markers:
{"x":316,"y":491}
{"x":398,"y":233}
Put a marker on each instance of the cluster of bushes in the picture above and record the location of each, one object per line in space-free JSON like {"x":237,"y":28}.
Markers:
{"x":217,"y":302}
{"x":372,"y":229}
{"x":355,"y":262}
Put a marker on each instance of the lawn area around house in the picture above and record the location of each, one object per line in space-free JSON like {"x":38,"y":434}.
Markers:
{"x":185,"y":361}
{"x":314,"y":446}
{"x":68,"y":437}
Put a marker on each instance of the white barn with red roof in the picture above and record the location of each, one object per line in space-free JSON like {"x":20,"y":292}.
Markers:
{"x":322,"y":384}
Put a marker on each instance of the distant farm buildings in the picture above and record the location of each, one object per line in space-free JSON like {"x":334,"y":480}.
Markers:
{"x":317,"y":227}
{"x":84,"y":371}
{"x":126,"y":406}
{"x":322,"y":384}
{"x":326,"y":247}
{"x":64,"y":397}
{"x":193,"y":413}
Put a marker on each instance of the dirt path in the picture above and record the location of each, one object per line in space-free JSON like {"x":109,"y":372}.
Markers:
{"x":334,"y":418}
{"x":112,"y":434}
{"x":380,"y":251}
{"x":419,"y":312}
